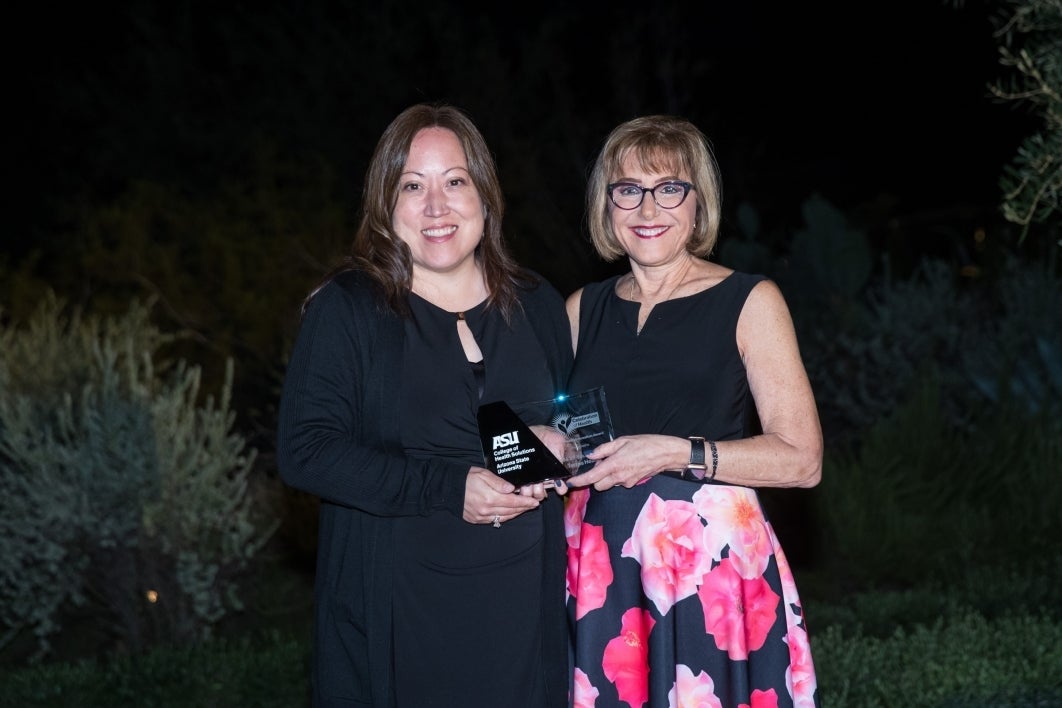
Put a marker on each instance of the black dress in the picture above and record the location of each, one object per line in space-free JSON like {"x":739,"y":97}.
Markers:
{"x":680,"y":591}
{"x":467,"y":618}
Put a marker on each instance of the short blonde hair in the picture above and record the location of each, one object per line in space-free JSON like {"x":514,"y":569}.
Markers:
{"x":659,"y":143}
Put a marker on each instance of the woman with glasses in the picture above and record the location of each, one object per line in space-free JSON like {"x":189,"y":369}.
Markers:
{"x":680,"y":593}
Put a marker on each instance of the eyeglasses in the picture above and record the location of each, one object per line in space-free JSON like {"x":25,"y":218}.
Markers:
{"x":668,"y":195}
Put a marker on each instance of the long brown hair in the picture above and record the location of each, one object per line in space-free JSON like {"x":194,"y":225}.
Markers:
{"x":378,"y":251}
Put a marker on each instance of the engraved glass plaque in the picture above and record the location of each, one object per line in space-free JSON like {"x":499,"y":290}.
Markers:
{"x":585,"y":420}
{"x":512,"y":451}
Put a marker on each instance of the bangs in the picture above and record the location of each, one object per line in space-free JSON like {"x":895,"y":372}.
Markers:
{"x":659,"y":156}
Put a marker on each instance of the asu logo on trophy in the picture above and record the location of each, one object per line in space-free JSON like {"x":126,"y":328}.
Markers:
{"x":507,"y":439}
{"x":512,"y":451}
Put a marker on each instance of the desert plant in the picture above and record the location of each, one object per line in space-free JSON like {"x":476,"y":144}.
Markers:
{"x":124,"y":491}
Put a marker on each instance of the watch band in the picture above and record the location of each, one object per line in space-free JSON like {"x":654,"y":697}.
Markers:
{"x":697,"y":467}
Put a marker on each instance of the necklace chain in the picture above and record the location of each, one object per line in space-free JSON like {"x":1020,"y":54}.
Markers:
{"x":681,"y":280}
{"x":671,"y":292}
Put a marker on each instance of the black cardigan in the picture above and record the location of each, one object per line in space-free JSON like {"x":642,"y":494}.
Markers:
{"x":338,"y":438}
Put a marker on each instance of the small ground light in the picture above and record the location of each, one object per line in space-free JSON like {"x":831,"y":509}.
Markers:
{"x":152,"y":596}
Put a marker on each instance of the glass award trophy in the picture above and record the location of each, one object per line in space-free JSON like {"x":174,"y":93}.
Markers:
{"x":514,"y":452}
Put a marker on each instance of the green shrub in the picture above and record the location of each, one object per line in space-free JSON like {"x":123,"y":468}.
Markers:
{"x":958,"y":659}
{"x":920,"y":500}
{"x":268,"y":671}
{"x":229,"y":265}
{"x":959,"y":422}
{"x":963,"y":660}
{"x":125,"y":495}
{"x":981,"y":341}
{"x":1019,"y":358}
{"x":862,"y":370}
{"x":1009,"y":587}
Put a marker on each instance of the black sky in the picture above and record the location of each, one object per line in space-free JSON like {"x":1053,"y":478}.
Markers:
{"x":849,"y":100}
{"x":864,"y":98}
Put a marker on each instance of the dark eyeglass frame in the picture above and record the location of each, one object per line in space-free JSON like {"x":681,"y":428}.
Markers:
{"x":686,"y":189}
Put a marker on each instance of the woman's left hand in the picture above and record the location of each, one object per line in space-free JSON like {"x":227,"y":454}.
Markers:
{"x":536,"y":491}
{"x":631,"y":459}
{"x":490,"y":499}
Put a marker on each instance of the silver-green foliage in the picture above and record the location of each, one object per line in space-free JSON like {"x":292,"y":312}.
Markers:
{"x":1030,"y":36}
{"x":862,"y":368}
{"x":982,"y":342}
{"x":123,"y":491}
{"x":1019,"y":358}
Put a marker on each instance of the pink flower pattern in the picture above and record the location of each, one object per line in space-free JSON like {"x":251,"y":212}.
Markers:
{"x":585,"y":695}
{"x":692,"y":691}
{"x":800,"y":677}
{"x":574,"y":510}
{"x":594,"y":570}
{"x":735,"y":521}
{"x":738,"y":613}
{"x":716,"y":550}
{"x":762,"y":699}
{"x":625,"y":661}
{"x":667,"y":543}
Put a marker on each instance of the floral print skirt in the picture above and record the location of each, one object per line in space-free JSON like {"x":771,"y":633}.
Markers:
{"x":679,"y":595}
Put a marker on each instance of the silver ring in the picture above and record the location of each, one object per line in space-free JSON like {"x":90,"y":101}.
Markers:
{"x":496,"y":521}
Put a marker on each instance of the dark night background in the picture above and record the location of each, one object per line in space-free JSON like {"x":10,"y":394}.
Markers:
{"x":879,"y":106}
{"x":210,"y":155}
